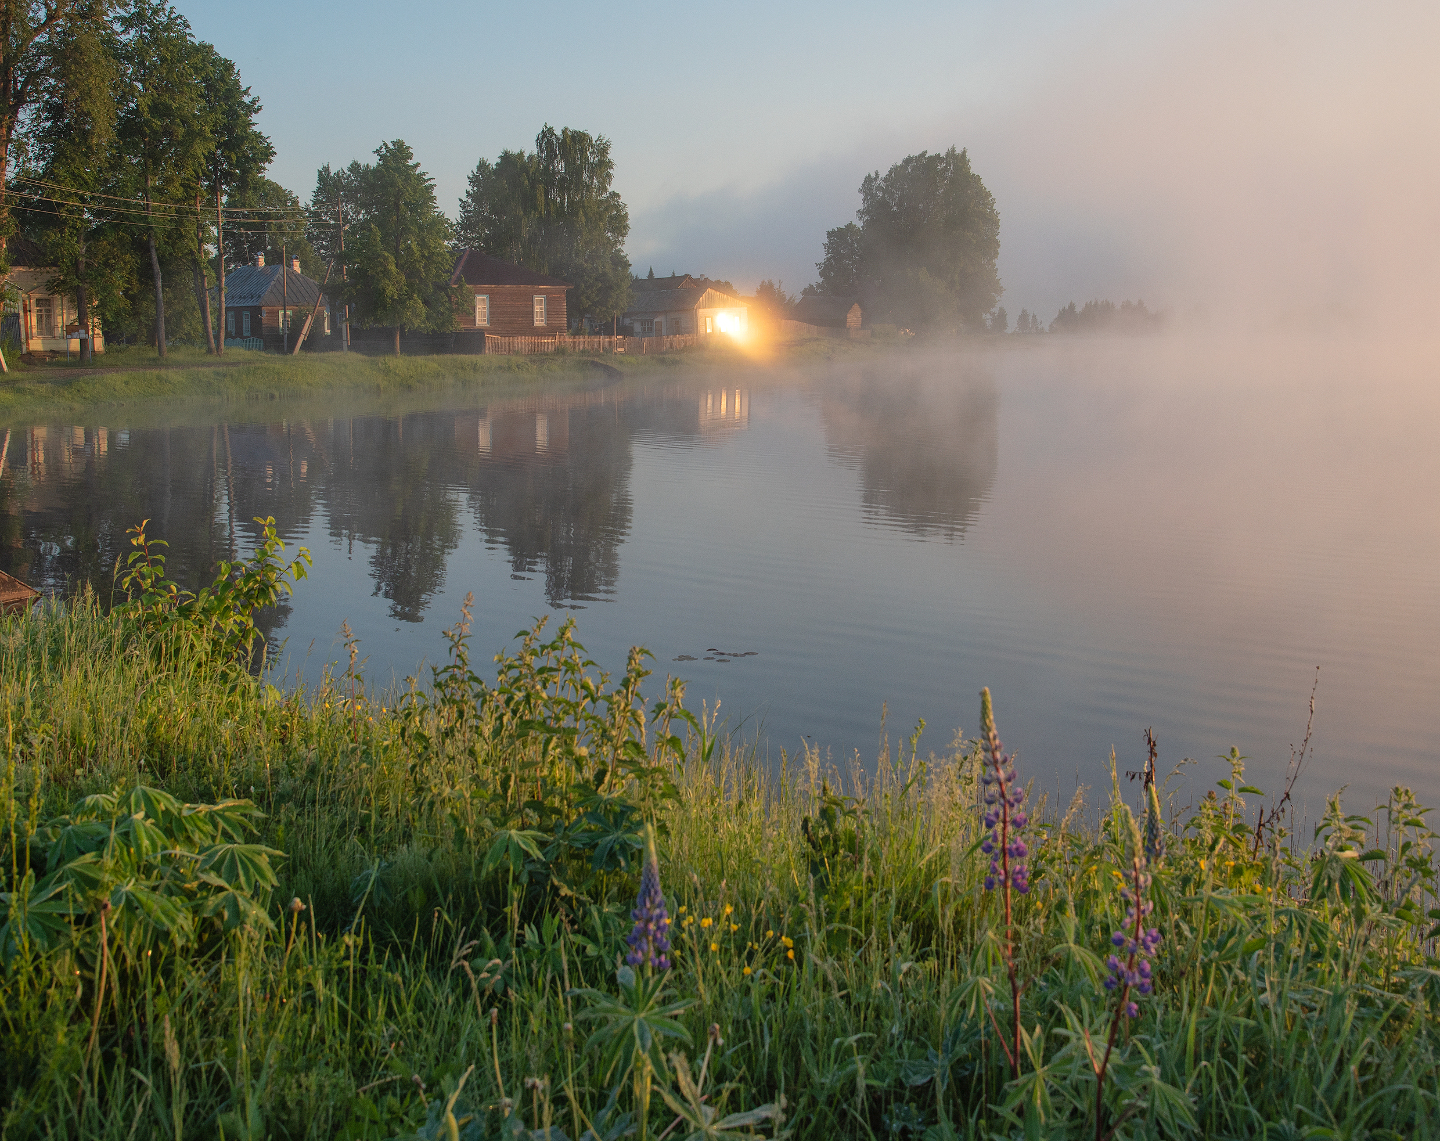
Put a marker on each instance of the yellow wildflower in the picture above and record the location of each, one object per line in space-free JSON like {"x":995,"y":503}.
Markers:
{"x":787,"y":941}
{"x":728,"y":909}
{"x":734,"y":927}
{"x":706,"y":921}
{"x":769,"y":934}
{"x":714,"y":946}
{"x":790,"y":955}
{"x":747,"y":970}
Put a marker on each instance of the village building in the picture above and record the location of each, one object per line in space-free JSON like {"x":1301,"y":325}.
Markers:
{"x":509,"y":300}
{"x":829,"y":312}
{"x":42,"y":319}
{"x":266,"y":307}
{"x":686,"y":309}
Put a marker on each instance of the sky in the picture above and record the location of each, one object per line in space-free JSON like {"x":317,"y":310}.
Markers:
{"x":1268,"y":165}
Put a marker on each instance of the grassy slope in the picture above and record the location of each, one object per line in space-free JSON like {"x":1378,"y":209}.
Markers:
{"x":1279,"y":1005}
{"x":137,"y":376}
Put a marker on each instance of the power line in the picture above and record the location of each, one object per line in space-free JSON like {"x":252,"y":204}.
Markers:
{"x":126,"y":222}
{"x":175,"y":207}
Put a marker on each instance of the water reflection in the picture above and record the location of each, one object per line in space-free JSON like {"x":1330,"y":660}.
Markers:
{"x":925,"y":442}
{"x":544,"y":476}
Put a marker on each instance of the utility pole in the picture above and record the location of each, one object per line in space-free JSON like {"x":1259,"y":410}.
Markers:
{"x":344,"y":277}
{"x":220,"y":256}
{"x":285,"y":296}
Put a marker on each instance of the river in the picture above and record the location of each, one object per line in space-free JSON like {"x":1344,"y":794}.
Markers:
{"x":1111,"y":535}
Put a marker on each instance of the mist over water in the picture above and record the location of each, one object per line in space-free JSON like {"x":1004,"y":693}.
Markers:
{"x":1110,"y":534}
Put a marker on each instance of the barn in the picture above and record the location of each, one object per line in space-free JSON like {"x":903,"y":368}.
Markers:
{"x":508,"y":299}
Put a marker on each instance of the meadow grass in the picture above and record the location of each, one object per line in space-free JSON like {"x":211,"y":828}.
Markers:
{"x":463,"y":858}
{"x":138,"y":376}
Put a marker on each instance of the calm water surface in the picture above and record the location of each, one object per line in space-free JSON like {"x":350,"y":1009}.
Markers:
{"x":1110,"y":536}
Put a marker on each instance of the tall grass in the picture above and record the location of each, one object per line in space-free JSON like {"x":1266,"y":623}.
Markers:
{"x":429,"y":961}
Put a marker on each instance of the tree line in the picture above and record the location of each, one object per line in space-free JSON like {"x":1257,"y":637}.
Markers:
{"x":130,"y":155}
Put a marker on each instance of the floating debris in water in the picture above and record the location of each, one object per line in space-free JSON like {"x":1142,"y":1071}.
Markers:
{"x":718,"y":656}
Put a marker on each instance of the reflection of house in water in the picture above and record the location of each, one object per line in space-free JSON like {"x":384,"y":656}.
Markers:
{"x":926,"y":446}
{"x":724,"y":410}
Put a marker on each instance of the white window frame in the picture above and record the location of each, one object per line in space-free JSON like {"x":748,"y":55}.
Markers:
{"x":709,"y":324}
{"x":327,"y":320}
{"x":540,"y":309}
{"x":245,"y":322}
{"x":230,"y":322}
{"x":482,"y":310}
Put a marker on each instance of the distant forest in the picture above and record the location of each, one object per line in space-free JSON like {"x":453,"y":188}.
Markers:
{"x":1094,"y":317}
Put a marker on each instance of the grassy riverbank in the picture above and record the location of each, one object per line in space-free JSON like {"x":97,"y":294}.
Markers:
{"x":131,"y":376}
{"x":464,"y":864}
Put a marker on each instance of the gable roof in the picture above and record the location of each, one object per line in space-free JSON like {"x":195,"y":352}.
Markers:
{"x":674,"y":281}
{"x":821,"y":309}
{"x":248,"y":285}
{"x":476,"y":268}
{"x":24,"y":252}
{"x":673,"y":300}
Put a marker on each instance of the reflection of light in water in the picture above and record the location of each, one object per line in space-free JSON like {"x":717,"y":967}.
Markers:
{"x":483,"y":436}
{"x":542,"y":432}
{"x":727,"y":408}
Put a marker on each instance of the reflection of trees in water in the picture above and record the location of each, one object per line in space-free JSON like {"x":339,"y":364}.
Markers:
{"x":555,"y":495}
{"x":926,"y":444}
{"x":553,"y":487}
{"x":386,"y":483}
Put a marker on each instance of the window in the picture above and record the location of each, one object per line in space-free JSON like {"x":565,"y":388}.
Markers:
{"x":482,"y":310}
{"x":327,"y":320}
{"x":44,"y":317}
{"x":230,"y":321}
{"x":245,"y":322}
{"x":539,"y":309}
{"x":709,"y":324}
{"x":647,"y":326}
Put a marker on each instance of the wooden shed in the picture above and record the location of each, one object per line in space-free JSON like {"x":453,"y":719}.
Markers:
{"x":829,"y":312}
{"x":508,"y":299}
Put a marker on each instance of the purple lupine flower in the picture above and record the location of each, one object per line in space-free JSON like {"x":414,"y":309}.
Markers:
{"x":1004,"y":815}
{"x":649,"y":939}
{"x":1136,"y":944}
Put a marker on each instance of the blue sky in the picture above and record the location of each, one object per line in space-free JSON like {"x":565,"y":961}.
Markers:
{"x":1197,"y":155}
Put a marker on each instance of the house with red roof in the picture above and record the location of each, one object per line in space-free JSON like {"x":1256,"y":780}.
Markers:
{"x":509,"y":300}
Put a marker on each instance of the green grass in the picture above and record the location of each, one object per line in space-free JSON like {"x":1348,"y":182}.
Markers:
{"x":137,"y":376}
{"x":844,"y":949}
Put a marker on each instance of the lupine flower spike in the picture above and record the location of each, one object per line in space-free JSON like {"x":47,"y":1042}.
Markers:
{"x":1004,"y":818}
{"x":1130,"y":973}
{"x":649,"y":939}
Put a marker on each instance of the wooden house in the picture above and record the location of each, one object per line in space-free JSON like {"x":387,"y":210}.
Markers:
{"x":44,"y":319}
{"x":670,"y":312}
{"x":509,"y":300}
{"x":829,"y":312}
{"x":266,"y":307}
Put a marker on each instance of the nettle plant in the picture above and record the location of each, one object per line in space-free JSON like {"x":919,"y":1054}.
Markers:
{"x":219,"y":620}
{"x":547,"y":774}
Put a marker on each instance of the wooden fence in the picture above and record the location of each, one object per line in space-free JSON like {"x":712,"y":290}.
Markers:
{"x":571,"y":344}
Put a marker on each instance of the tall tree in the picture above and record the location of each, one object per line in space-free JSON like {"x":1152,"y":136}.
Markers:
{"x":234,"y":158}
{"x":270,"y":220}
{"x":33,"y":39}
{"x":69,"y":161}
{"x":162,"y":129}
{"x":399,"y":258}
{"x":556,"y":211}
{"x":925,"y":250}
